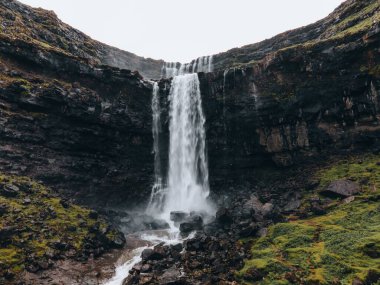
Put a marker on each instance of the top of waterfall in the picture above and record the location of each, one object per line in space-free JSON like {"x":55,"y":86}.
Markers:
{"x":201,"y":64}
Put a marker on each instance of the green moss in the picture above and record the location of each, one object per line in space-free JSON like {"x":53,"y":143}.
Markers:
{"x":41,"y":221}
{"x":362,"y":26}
{"x":364,"y":170}
{"x":331,"y":249}
{"x":359,"y":21}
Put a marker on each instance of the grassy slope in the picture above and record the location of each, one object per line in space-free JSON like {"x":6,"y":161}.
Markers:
{"x":334,"y":248}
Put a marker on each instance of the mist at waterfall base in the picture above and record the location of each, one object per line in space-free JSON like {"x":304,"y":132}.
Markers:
{"x":185,"y":188}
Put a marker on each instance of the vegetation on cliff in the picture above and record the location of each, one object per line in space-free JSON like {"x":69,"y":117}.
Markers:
{"x":37,"y":228}
{"x":340,"y":247}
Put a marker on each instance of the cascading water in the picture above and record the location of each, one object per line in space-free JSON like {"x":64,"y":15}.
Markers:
{"x":188,"y":186}
{"x":155,"y":202}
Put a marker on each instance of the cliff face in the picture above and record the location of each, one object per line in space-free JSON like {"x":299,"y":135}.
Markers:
{"x":85,"y":128}
{"x":42,"y":28}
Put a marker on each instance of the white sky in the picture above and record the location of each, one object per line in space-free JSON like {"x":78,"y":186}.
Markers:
{"x":181,"y":30}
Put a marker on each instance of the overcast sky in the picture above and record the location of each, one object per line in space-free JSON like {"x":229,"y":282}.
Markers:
{"x":181,"y":30}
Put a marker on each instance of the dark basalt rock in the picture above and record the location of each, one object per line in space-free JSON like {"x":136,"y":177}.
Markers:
{"x":223,"y":216}
{"x":178,"y":216}
{"x":153,"y":254}
{"x":192,"y":223}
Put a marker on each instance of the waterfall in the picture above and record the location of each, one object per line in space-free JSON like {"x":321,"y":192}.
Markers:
{"x":156,"y":198}
{"x":188,"y":185}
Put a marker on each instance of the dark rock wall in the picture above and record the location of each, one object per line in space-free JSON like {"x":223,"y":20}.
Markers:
{"x":293,"y":105}
{"x":84,"y":129}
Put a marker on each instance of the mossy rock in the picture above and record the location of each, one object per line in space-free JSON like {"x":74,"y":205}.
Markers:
{"x":37,"y":228}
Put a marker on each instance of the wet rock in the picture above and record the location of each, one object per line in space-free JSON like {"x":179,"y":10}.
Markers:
{"x":137,"y":267}
{"x":148,"y":223}
{"x":171,"y":276}
{"x":145,"y":278}
{"x":223,"y":216}
{"x":193,"y":223}
{"x":341,"y":188}
{"x":152,"y":254}
{"x":178,"y":216}
{"x":146,"y":268}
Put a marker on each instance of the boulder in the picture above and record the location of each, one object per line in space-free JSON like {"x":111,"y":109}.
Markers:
{"x":254,"y":205}
{"x":178,"y":216}
{"x":341,"y":188}
{"x":267,"y":209}
{"x":192,"y":223}
{"x":9,"y":190}
{"x":171,"y":276}
{"x":147,"y":253}
{"x":153,"y":254}
{"x":223,"y":216}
